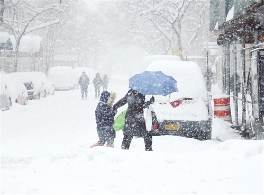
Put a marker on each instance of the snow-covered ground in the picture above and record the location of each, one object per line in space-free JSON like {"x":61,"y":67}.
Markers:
{"x":45,"y":149}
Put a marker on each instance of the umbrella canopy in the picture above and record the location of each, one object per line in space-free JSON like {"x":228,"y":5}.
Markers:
{"x":153,"y":83}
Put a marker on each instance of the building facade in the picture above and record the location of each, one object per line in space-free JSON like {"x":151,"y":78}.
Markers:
{"x":240,"y":67}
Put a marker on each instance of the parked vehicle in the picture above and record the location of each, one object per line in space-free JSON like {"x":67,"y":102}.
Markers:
{"x":62,"y":77}
{"x":15,"y":88}
{"x":187,"y":112}
{"x":32,"y":83}
{"x":5,"y":98}
{"x":45,"y":82}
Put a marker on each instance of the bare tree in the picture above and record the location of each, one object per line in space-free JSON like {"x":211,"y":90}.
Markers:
{"x":24,"y":18}
{"x":2,"y":7}
{"x":55,"y":33}
{"x":161,"y":23}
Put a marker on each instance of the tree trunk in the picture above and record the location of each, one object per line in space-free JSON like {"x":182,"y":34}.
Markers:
{"x":15,"y":59}
{"x":2,"y":8}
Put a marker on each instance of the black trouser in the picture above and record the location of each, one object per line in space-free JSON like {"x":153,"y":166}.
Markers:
{"x":128,"y":138}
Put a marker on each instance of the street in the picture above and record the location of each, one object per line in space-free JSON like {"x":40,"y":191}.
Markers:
{"x":45,"y":149}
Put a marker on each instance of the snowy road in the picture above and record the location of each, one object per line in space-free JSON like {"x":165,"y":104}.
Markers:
{"x":45,"y":150}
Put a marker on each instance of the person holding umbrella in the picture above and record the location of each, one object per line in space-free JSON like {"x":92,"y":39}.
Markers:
{"x":134,"y":119}
{"x":146,"y":83}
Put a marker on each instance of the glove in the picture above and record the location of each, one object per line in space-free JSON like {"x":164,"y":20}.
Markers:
{"x":152,"y":100}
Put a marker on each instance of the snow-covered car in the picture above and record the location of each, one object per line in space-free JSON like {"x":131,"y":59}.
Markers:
{"x":15,"y":88}
{"x":151,"y":58}
{"x":63,"y":78}
{"x":186,"y":112}
{"x":45,"y":82}
{"x":32,"y":83}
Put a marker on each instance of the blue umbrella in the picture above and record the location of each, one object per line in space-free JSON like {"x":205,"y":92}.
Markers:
{"x":153,"y":83}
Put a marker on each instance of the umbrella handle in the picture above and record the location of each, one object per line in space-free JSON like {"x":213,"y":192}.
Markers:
{"x":152,"y":98}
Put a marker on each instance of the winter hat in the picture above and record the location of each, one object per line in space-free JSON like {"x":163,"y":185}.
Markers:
{"x":104,"y":96}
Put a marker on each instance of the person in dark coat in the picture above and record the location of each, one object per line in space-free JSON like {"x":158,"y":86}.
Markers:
{"x":104,"y":115}
{"x":97,"y":84}
{"x":134,"y":119}
{"x":84,"y":82}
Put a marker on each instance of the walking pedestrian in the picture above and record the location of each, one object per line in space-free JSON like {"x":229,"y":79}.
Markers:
{"x":134,"y":119}
{"x":105,"y":82}
{"x":84,"y":82}
{"x":97,"y":84}
{"x":104,"y":115}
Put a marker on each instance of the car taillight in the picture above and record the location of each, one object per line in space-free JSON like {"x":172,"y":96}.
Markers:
{"x":176,"y":103}
{"x":155,"y":126}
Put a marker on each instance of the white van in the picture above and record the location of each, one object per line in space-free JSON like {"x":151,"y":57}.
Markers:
{"x":63,"y":78}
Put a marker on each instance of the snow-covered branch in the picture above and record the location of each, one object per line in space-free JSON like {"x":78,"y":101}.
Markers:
{"x":28,"y":30}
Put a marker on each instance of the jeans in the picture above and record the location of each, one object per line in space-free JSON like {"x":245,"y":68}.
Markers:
{"x":97,"y":92}
{"x":84,"y":91}
{"x":106,"y":135}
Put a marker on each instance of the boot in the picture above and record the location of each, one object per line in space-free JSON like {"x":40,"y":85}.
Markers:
{"x":96,"y":144}
{"x":110,"y":145}
{"x":149,"y":149}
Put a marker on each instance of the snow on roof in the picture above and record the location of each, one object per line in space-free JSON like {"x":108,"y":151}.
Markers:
{"x":4,"y":36}
{"x":28,"y":77}
{"x":30,"y":44}
{"x":230,"y":14}
{"x":147,"y":60}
